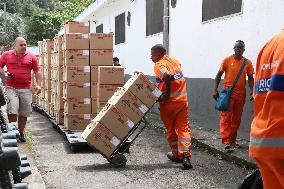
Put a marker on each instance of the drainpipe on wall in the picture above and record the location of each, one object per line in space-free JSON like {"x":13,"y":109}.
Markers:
{"x":166,"y":23}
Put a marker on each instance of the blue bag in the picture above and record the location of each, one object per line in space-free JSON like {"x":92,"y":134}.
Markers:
{"x":223,"y":101}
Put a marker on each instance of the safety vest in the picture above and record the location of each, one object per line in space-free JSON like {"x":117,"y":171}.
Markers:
{"x":267,"y":130}
{"x":172,"y":67}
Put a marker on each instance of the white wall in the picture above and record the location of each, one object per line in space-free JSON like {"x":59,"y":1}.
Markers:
{"x":134,"y":54}
{"x":202,"y":46}
{"x":199,"y":46}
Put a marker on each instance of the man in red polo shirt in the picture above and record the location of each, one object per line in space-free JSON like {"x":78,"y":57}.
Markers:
{"x":19,"y":64}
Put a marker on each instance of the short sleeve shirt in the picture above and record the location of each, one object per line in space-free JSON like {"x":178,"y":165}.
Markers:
{"x":20,"y":67}
{"x":231,"y":67}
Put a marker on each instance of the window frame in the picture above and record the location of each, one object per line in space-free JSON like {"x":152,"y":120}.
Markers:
{"x":222,"y":17}
{"x":115,"y":36}
{"x":149,"y":34}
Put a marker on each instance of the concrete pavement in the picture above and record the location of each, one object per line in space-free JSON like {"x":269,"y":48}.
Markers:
{"x":147,"y":165}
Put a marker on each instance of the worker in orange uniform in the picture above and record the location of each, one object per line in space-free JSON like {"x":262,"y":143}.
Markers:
{"x":230,"y":120}
{"x":267,"y":129}
{"x":173,"y":105}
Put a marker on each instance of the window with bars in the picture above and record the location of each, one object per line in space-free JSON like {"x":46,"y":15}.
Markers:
{"x":212,"y":9}
{"x":120,"y":29}
{"x":154,"y":16}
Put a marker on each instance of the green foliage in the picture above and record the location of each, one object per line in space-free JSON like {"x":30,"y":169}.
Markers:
{"x":39,"y":19}
{"x":47,"y":25}
{"x":13,"y":23}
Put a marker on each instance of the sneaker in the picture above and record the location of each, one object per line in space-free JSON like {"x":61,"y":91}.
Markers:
{"x":22,"y":137}
{"x":186,"y":163}
{"x":172,"y":158}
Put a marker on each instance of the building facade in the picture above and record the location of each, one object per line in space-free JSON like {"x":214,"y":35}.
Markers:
{"x":201,"y":34}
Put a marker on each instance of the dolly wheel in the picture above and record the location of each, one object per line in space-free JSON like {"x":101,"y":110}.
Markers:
{"x":118,"y":160}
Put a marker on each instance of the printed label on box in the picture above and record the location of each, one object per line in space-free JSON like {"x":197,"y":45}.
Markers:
{"x":87,"y":101}
{"x":130,"y":124}
{"x":87,"y":116}
{"x":143,"y":108}
{"x":85,"y":36}
{"x":86,"y":69}
{"x":87,"y":84}
{"x":157,"y":92}
{"x":115,"y":141}
{"x":86,"y":52}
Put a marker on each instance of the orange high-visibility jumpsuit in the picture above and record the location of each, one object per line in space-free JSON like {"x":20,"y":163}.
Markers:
{"x":230,"y":120}
{"x":267,"y":129}
{"x":174,"y":112}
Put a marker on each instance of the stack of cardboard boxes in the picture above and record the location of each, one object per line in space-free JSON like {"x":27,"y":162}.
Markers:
{"x":57,"y":78}
{"x":123,"y":111}
{"x":76,"y":76}
{"x":45,"y":49}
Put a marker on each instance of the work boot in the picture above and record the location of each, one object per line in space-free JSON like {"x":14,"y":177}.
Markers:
{"x":236,"y":145}
{"x":22,"y":137}
{"x":228,"y":148}
{"x":173,"y":158}
{"x":186,"y":162}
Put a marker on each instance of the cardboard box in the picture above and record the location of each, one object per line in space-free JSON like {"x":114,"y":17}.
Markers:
{"x":47,"y":59}
{"x":57,"y":59}
{"x":76,"y":90}
{"x":110,"y":75}
{"x":59,"y":116}
{"x":75,"y":41}
{"x":100,"y":138}
{"x":143,"y":88}
{"x":77,"y":122}
{"x":41,"y":59}
{"x":115,"y":121}
{"x":94,"y":89}
{"x":40,"y":47}
{"x":77,"y":106}
{"x":47,"y":95}
{"x":101,"y":40}
{"x":76,"y":27}
{"x":76,"y":57}
{"x":59,"y":104}
{"x":94,"y":74}
{"x":129,"y":104}
{"x":47,"y":46}
{"x":77,"y":74}
{"x":57,"y":43}
{"x":104,"y":92}
{"x":94,"y":106}
{"x":100,"y":105}
{"x":101,"y":57}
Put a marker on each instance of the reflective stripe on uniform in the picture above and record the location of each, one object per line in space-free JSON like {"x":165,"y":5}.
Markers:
{"x":267,"y":142}
{"x":179,"y":140}
{"x":277,"y":83}
{"x":178,"y":94}
{"x":173,"y":77}
{"x":183,"y":148}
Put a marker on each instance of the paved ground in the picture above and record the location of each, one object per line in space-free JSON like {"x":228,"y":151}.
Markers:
{"x":147,"y":166}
